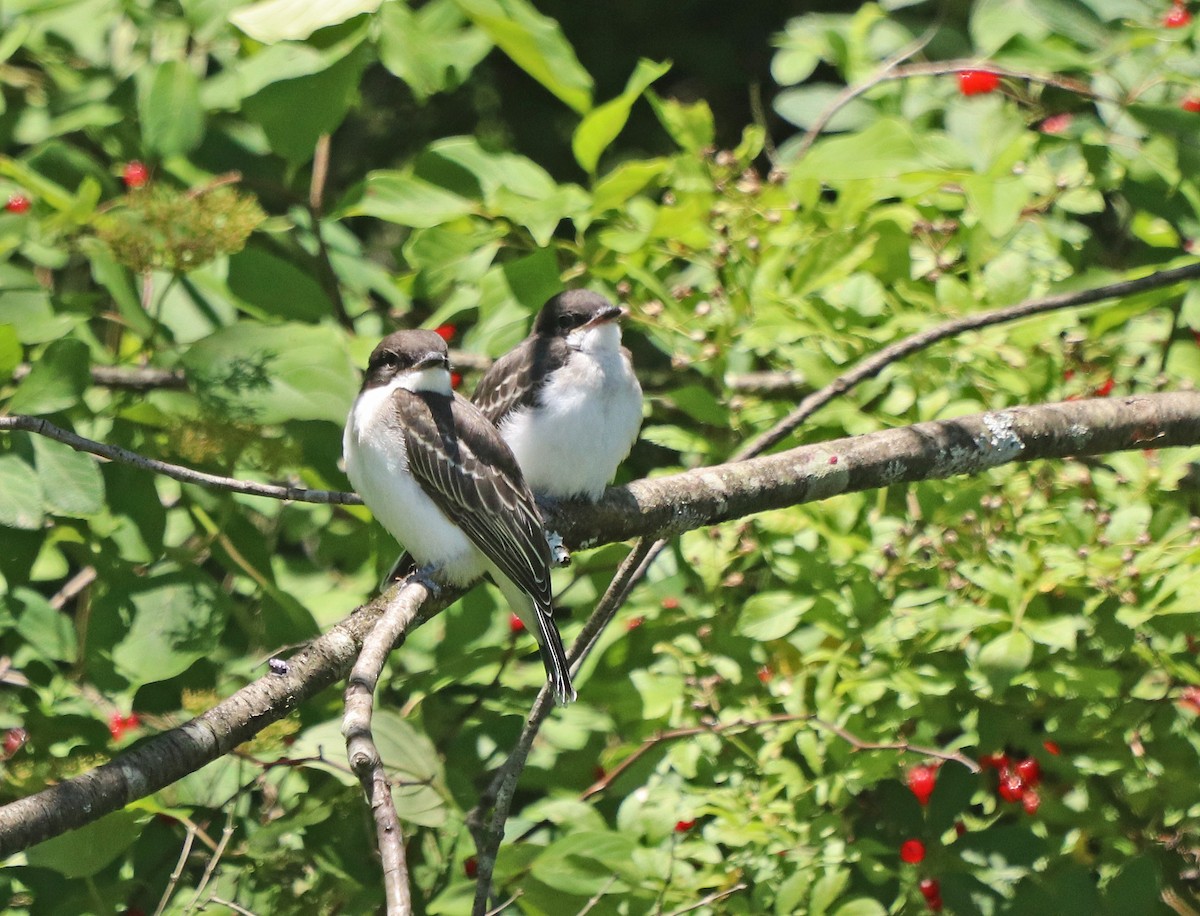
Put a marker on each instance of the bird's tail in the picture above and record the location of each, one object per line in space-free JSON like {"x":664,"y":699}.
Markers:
{"x":554,"y":657}
{"x":538,"y":618}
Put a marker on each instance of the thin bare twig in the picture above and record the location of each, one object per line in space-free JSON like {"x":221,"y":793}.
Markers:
{"x":850,"y":93}
{"x":177,"y":872}
{"x":716,"y":728}
{"x":178,"y":472}
{"x":213,"y":860}
{"x":877,"y":362}
{"x":711,"y":898}
{"x":496,"y":803}
{"x":360,"y":743}
{"x":891,"y":72}
{"x":72,"y":587}
{"x":320,"y":173}
{"x":237,"y":908}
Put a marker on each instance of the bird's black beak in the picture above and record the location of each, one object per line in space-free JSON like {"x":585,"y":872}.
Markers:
{"x":433,"y":360}
{"x":611,"y":313}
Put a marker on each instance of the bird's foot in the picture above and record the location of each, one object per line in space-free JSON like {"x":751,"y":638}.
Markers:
{"x":559,"y":555}
{"x":427,"y":576}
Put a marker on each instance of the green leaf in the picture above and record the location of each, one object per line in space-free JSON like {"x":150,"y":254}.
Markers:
{"x":428,"y":48}
{"x":56,"y":381}
{"x":536,"y":45}
{"x":402,"y":198}
{"x":70,"y":480}
{"x":772,"y":615}
{"x":280,"y":20}
{"x":46,"y":629}
{"x":1006,"y":656}
{"x":176,"y":619}
{"x":409,"y":757}
{"x":804,"y":105}
{"x":10,"y":350}
{"x":602,"y":124}
{"x":886,"y":149}
{"x":583,"y":863}
{"x":279,"y":62}
{"x":274,"y":373}
{"x":691,"y":126}
{"x":21,"y":506}
{"x":169,"y":109}
{"x":88,"y":849}
{"x":861,"y":907}
{"x":295,"y":113}
{"x":999,"y":202}
{"x":277,"y":286}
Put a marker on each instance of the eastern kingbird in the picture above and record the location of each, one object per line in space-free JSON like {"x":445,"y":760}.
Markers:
{"x":565,"y":399}
{"x":439,"y":478}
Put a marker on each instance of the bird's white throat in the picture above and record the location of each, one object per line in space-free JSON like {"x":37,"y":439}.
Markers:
{"x":596,"y":339}
{"x":433,"y":379}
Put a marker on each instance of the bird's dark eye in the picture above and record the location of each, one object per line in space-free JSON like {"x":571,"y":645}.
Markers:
{"x":387,"y":358}
{"x":566,"y":321}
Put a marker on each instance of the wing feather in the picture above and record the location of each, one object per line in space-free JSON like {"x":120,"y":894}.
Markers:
{"x":517,"y":378}
{"x":461,"y":462}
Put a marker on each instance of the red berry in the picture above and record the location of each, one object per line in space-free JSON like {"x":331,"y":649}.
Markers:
{"x":136,"y":175}
{"x":921,"y":780}
{"x":1052,"y":747}
{"x":1177,"y":18}
{"x":1030,"y":801}
{"x":1189,"y":698}
{"x":445,"y":331}
{"x":1057,"y":124}
{"x":1192,"y":104}
{"x":1105,"y":388}
{"x":670,"y":604}
{"x":977,"y":82}
{"x":118,"y":724}
{"x":634,"y":622}
{"x":684,"y":826}
{"x":598,"y":773}
{"x":935,"y":905}
{"x":994,"y":761}
{"x":1011,"y":787}
{"x":930,"y":888}
{"x":959,"y":828}
{"x":455,"y":380}
{"x":471,"y":867}
{"x":18,"y":204}
{"x":1030,"y":771}
{"x":765,"y":674}
{"x":515,"y":623}
{"x":14,"y":740}
{"x":912,"y":852}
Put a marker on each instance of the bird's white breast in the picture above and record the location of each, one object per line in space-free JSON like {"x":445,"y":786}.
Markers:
{"x":377,"y":465}
{"x":586,"y":420}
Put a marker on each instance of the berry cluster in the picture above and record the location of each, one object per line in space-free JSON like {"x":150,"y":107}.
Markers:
{"x":1017,"y":781}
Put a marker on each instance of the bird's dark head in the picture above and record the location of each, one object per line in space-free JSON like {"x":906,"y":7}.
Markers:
{"x":574,"y":310}
{"x":420,"y":357}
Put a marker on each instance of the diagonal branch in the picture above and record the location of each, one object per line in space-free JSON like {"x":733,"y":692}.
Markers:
{"x":877,"y":362}
{"x":667,"y":506}
{"x":174,"y":754}
{"x":661,"y":507}
{"x":178,"y":472}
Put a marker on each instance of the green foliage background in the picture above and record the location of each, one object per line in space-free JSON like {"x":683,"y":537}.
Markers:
{"x":483,"y":154}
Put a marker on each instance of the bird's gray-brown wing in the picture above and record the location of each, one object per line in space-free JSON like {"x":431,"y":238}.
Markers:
{"x":517,"y":378}
{"x":461,"y":462}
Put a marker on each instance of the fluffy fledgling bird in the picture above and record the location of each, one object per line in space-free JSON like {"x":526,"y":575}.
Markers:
{"x":566,"y":399}
{"x":437,"y":475}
